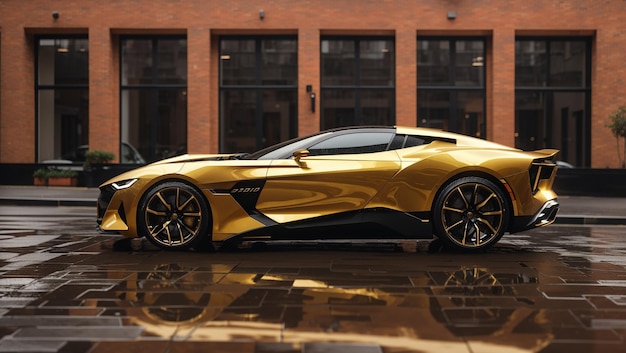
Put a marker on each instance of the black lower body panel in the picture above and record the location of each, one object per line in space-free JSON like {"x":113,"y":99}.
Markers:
{"x":376,"y":223}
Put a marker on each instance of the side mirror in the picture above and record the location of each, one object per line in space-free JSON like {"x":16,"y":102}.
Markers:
{"x":298,"y":154}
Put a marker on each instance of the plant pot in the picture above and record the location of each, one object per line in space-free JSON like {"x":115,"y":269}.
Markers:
{"x":40,"y":181}
{"x":62,"y":182}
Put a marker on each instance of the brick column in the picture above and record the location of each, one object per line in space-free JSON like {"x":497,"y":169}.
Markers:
{"x":202,"y":119}
{"x":104,"y":101}
{"x":17,"y":111}
{"x":406,"y":77}
{"x":501,"y":87}
{"x":308,"y":74}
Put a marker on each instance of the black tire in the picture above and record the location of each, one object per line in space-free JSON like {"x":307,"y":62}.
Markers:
{"x":174,"y":216}
{"x":470,"y":214}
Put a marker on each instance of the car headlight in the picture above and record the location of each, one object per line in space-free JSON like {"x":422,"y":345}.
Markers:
{"x":124,"y":184}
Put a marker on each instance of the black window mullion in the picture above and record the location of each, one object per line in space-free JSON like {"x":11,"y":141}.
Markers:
{"x":258,"y":59}
{"x":452,"y":67}
{"x":357,"y":83}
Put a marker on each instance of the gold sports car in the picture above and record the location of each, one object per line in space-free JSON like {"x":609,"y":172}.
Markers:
{"x":346,"y":183}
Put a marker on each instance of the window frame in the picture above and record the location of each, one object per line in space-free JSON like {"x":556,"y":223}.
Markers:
{"x":357,"y":88}
{"x":53,"y":87}
{"x":258,"y":88}
{"x":550,"y":91}
{"x":450,"y":88}
{"x":153,"y":88}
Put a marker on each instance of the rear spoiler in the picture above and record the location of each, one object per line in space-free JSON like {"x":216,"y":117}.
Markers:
{"x":545,"y":154}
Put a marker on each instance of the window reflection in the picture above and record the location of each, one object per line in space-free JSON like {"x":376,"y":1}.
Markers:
{"x":258,"y":92}
{"x":153,"y":98}
{"x":358,"y":82}
{"x":63,"y":98}
{"x":552,"y":97}
{"x":451,"y":85}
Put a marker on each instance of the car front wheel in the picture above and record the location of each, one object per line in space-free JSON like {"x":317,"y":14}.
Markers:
{"x":470,"y":214}
{"x":174,"y":215}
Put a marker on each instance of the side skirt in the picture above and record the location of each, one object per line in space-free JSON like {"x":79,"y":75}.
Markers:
{"x":377,"y":223}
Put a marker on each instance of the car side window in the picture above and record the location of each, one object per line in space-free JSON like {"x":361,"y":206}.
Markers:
{"x":404,"y":141}
{"x":353,"y":143}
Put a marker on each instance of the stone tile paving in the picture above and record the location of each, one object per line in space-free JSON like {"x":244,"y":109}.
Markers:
{"x":66,"y":288}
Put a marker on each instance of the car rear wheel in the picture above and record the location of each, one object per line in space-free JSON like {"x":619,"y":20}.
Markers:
{"x":174,"y":215}
{"x":470,"y":214}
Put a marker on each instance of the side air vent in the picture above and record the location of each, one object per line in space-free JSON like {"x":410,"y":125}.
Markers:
{"x":541,"y":170}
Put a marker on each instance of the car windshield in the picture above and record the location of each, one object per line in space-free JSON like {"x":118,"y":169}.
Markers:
{"x":285,"y":149}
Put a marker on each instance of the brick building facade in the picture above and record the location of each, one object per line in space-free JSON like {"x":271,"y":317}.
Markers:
{"x":526,"y":73}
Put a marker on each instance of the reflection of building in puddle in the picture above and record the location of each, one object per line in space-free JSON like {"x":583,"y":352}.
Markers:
{"x":471,"y":303}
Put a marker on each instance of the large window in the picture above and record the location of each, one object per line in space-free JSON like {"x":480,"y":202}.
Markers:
{"x":451,"y":84}
{"x":357,"y":81}
{"x":62,"y":97}
{"x":258,"y":92}
{"x":153,"y":98}
{"x":552,"y":96}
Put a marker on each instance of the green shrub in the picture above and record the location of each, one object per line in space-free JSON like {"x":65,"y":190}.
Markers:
{"x":52,"y":172}
{"x":97,"y":157}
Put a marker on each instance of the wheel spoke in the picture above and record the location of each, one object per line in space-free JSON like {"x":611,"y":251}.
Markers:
{"x":156,"y":213}
{"x":492,"y":213}
{"x":180,"y":232}
{"x":464,"y":240}
{"x":156,"y":230}
{"x":165,"y":203}
{"x":182,"y":207}
{"x":454,"y":225}
{"x":457,"y":210}
{"x":488,"y":224}
{"x":482,"y":204}
{"x":477,"y":229}
{"x":187,"y":228}
{"x":462,"y":197}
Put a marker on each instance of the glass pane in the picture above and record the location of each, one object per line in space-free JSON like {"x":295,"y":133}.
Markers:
{"x":569,"y":133}
{"x":470,"y":63}
{"x":433,"y":109}
{"x":63,"y":61}
{"x":154,"y":123}
{"x":363,"y":142}
{"x":171,"y":61}
{"x":530,"y":117}
{"x":280,"y":61}
{"x":137,"y":61}
{"x":238,"y":121}
{"x":433,"y":65}
{"x":338,"y":108}
{"x":567,"y":64}
{"x":376,"y":62}
{"x":470,"y":113}
{"x":63,"y":124}
{"x":377,"y":107}
{"x":237,"y":62}
{"x":280,"y":113}
{"x":531,"y":63}
{"x":338,"y":62}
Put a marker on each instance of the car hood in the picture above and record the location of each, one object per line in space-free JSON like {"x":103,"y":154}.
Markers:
{"x":195,"y":158}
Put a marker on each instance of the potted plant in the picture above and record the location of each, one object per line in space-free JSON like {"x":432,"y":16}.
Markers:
{"x":95,"y":158}
{"x":62,"y":177}
{"x":618,"y":128}
{"x":95,"y":161}
{"x":40,"y":177}
{"x":55,"y":177}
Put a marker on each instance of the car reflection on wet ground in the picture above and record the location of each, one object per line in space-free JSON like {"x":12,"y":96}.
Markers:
{"x":66,"y":288}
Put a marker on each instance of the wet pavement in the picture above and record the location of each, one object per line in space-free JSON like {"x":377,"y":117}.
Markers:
{"x":66,"y":288}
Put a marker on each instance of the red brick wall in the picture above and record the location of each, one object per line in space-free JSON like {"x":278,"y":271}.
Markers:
{"x":204,"y":20}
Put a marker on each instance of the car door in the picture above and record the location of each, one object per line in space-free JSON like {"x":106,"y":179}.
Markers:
{"x":342,"y":173}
